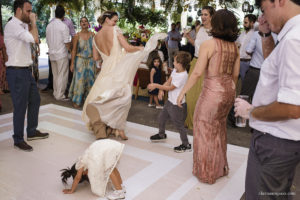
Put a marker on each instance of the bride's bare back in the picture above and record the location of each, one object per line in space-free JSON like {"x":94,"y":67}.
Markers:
{"x":104,"y":39}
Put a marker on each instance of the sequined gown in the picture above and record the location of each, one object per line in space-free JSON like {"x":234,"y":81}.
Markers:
{"x":213,"y":105}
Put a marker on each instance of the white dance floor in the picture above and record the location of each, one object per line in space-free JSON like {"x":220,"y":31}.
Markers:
{"x":150,"y":171}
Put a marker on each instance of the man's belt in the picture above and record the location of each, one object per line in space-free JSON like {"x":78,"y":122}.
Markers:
{"x":12,"y":67}
{"x":254,"y":68}
{"x":245,"y":59}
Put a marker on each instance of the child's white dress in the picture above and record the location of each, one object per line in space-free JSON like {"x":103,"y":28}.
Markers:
{"x":100,"y":159}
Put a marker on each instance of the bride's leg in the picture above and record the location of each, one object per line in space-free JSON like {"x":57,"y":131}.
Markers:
{"x":98,"y":127}
{"x":121,"y":134}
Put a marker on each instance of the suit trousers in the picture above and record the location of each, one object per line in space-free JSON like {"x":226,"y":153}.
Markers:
{"x":25,"y":95}
{"x":250,"y":82}
{"x":171,"y":53}
{"x":60,"y":70}
{"x":177,"y":116}
{"x":244,"y":66}
{"x":271,"y":167}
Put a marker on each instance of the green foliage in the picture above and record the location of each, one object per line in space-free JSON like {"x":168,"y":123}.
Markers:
{"x":6,"y":2}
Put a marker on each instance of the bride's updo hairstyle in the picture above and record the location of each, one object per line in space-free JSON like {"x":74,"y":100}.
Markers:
{"x":106,"y":14}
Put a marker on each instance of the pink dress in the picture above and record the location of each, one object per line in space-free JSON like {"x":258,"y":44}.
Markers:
{"x":213,"y":105}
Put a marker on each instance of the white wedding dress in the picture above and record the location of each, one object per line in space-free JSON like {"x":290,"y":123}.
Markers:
{"x":112,"y":91}
{"x":100,"y":158}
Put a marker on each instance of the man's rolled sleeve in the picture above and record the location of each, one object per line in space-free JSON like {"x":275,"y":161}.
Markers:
{"x":289,"y":73}
{"x":26,"y":37}
{"x":252,"y":44}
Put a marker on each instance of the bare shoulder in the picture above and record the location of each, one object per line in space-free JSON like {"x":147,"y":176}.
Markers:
{"x":208,"y":43}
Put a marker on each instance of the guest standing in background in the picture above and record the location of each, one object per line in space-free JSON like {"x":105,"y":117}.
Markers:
{"x":202,"y":35}
{"x":82,"y":64}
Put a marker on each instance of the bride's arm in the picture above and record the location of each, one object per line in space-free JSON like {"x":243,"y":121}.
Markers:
{"x":128,"y":47}
{"x":96,"y":55}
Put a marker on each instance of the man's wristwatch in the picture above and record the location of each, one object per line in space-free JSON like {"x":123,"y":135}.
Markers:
{"x":264,"y":34}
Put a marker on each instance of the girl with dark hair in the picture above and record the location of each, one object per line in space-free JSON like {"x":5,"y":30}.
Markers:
{"x":219,"y":60}
{"x":97,"y":165}
{"x":155,"y":77}
{"x":109,"y":100}
{"x":82,"y":64}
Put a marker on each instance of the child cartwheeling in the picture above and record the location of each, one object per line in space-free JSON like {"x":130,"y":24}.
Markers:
{"x":155,"y":77}
{"x":97,"y":165}
{"x":174,"y":85}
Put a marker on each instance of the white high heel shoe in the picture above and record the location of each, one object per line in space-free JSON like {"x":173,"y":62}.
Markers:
{"x":117,"y":194}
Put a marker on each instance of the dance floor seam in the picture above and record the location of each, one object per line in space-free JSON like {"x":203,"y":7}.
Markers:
{"x":149,"y":170}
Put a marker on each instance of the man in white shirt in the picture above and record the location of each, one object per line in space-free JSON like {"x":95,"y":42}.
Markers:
{"x":58,"y":40}
{"x":172,"y":42}
{"x":23,"y":88}
{"x":254,"y":49}
{"x":242,"y":41}
{"x":275,"y":110}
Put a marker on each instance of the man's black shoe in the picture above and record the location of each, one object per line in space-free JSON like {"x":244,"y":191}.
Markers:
{"x":157,"y":137}
{"x":37,"y":135}
{"x":23,"y":146}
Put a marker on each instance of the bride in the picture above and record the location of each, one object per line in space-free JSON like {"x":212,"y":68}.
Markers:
{"x":109,"y":100}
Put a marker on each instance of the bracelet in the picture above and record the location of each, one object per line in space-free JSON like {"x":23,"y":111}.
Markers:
{"x":264,"y":34}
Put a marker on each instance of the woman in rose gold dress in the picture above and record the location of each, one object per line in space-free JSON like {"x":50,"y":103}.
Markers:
{"x":219,"y":60}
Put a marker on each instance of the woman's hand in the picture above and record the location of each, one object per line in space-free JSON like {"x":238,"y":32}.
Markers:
{"x":179,"y":99}
{"x":141,"y":48}
{"x":72,"y":67}
{"x":151,"y":86}
{"x":68,"y":191}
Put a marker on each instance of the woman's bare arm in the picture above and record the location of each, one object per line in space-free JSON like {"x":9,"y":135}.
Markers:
{"x":74,"y":51}
{"x":236,"y":69}
{"x":128,"y":47}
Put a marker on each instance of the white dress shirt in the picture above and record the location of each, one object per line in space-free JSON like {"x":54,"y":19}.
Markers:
{"x":280,"y":81}
{"x":255,"y":47}
{"x":57,"y":34}
{"x":17,"y":40}
{"x":243,"y":40}
{"x":201,"y":36}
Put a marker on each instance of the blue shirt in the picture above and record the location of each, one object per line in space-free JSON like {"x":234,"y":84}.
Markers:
{"x":172,"y":43}
{"x":255,"y":47}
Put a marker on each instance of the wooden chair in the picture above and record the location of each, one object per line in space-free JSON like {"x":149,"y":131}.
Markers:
{"x":144,"y":79}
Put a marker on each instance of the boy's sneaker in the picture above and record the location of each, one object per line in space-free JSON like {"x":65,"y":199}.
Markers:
{"x":183,"y":148}
{"x":151,"y":105}
{"x":159,"y":107}
{"x":37,"y":135}
{"x":158,"y":138}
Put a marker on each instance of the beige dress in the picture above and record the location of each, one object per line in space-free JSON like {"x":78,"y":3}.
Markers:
{"x":112,"y":91}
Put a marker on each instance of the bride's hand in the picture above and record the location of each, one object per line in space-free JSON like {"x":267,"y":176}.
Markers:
{"x":140,"y":48}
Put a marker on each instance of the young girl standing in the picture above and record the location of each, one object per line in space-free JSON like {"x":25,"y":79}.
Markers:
{"x":155,"y":77}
